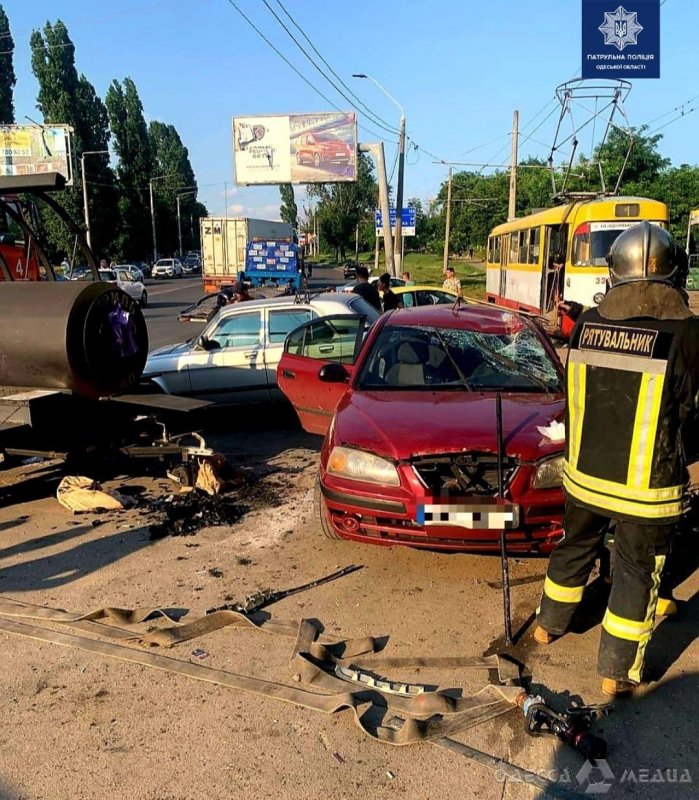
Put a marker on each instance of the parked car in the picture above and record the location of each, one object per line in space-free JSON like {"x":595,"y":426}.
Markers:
{"x":350,"y":269}
{"x":124,"y":280}
{"x":322,"y":148}
{"x":133,"y":270}
{"x":395,"y":283}
{"x":190,"y":265}
{"x":410,"y":454}
{"x":145,"y":268}
{"x":411,"y":296}
{"x":234,"y":360}
{"x":78,"y":273}
{"x":167,"y":268}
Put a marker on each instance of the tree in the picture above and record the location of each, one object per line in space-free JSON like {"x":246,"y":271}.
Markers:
{"x":132,"y":146}
{"x":288,"y":210}
{"x":172,"y":166}
{"x":342,"y":206}
{"x":66,"y":98}
{"x":7,"y":71}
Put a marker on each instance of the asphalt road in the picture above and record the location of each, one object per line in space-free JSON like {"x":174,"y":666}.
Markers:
{"x":166,"y":298}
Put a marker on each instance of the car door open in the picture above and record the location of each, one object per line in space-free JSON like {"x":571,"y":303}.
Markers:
{"x":316,"y":366}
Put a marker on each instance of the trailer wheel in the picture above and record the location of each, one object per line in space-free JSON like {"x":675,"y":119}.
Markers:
{"x":320,"y":514}
{"x":181,"y":475}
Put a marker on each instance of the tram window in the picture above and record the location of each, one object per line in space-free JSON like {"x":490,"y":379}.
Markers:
{"x":514,"y":248}
{"x":523,"y":247}
{"x":534,"y":244}
{"x":496,"y":249}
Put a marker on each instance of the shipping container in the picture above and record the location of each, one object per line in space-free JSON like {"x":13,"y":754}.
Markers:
{"x":224,"y":242}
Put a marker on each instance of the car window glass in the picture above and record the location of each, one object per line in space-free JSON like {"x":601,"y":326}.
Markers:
{"x":327,"y":339}
{"x":240,"y":330}
{"x":451,"y":358}
{"x":425,"y":298}
{"x":408,"y":299}
{"x":281,"y":323}
{"x":125,"y":276}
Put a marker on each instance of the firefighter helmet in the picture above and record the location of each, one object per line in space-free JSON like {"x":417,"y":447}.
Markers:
{"x":646,"y":253}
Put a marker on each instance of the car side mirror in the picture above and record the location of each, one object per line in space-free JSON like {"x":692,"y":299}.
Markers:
{"x":333,"y":373}
{"x":598,"y":298}
{"x":209,"y":344}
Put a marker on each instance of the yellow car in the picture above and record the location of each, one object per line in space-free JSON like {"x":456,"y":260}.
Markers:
{"x":423,"y":295}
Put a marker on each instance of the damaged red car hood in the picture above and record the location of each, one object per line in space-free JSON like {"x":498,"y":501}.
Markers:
{"x":400,"y":425}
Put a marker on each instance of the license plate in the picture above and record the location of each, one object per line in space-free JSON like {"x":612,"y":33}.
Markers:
{"x":469,"y":514}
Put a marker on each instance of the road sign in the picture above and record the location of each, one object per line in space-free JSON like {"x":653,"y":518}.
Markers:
{"x":408,"y":219}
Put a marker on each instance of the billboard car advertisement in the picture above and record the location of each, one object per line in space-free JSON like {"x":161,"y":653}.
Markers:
{"x":35,"y":150}
{"x":296,"y":148}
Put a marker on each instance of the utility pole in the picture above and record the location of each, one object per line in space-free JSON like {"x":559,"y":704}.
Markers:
{"x":512,"y":211}
{"x":152,"y":220}
{"x":398,"y":242}
{"x":86,"y":207}
{"x":356,"y":243}
{"x":378,"y":152}
{"x":447,"y":229}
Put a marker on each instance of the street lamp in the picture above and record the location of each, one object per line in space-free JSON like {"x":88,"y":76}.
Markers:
{"x":179,"y":221}
{"x":398,"y":241}
{"x":152,"y":211}
{"x":86,"y":209}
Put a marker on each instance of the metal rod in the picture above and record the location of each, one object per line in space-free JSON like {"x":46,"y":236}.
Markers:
{"x":447,"y":226}
{"x":503,"y":541}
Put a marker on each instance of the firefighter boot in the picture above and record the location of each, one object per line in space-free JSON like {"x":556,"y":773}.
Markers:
{"x":666,"y":607}
{"x":542,"y":636}
{"x":614,"y":688}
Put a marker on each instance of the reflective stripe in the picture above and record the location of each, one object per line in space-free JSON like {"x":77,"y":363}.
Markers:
{"x":645,"y":429}
{"x":628,"y":629}
{"x":622,"y":491}
{"x":576,"y":408}
{"x":563,"y":594}
{"x":637,"y":667}
{"x":595,"y":358}
{"x":631,"y":508}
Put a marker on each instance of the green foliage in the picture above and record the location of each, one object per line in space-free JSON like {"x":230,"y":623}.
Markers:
{"x":7,"y":71}
{"x":288,"y":210}
{"x":172,"y":167}
{"x":132,"y":146}
{"x":66,"y":98}
{"x":343,"y":206}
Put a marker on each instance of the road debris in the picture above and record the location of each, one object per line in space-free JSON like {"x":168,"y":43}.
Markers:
{"x":79,"y":494}
{"x":199,"y":653}
{"x":186,"y":514}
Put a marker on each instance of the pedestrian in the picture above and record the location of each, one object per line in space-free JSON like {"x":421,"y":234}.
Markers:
{"x":632,"y":420}
{"x":367,"y":290}
{"x":408,"y":280}
{"x":470,"y":254}
{"x":391,"y":301}
{"x":451,"y":282}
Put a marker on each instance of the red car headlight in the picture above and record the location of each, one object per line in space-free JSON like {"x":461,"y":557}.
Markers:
{"x":357,"y":465}
{"x":549,"y":474}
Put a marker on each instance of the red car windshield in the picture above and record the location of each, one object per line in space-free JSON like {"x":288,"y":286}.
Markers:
{"x":437,"y":359}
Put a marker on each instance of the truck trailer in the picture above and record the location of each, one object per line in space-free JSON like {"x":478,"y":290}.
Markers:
{"x":224,"y":246}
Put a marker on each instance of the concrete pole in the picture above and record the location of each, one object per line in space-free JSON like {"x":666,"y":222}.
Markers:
{"x":86,"y":209}
{"x":179,"y":224}
{"x":512,"y":211}
{"x":447,"y":229}
{"x":378,"y":152}
{"x":398,"y":242}
{"x":152,"y":220}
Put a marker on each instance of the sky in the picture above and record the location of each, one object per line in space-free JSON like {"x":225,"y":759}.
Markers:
{"x":459,"y":68}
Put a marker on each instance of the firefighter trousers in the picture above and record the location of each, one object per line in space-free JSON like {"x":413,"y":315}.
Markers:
{"x":639,"y":556}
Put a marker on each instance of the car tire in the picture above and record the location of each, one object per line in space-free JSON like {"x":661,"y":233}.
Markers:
{"x":316,"y":160}
{"x":320,"y":515}
{"x":144,"y":299}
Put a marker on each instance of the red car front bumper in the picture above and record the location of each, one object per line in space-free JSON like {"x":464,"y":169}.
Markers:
{"x":387,"y":516}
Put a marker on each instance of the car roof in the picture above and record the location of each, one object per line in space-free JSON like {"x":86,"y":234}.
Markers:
{"x":482,"y":318}
{"x":421,"y":287}
{"x":327,"y":302}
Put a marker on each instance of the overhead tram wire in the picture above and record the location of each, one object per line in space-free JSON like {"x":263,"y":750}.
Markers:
{"x":296,"y":70}
{"x":342,"y":82}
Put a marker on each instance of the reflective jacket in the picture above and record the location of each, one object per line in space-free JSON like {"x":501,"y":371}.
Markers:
{"x":631,"y":408}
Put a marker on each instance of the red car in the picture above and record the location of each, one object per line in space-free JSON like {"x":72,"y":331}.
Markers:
{"x":322,"y":148}
{"x":409,"y":415}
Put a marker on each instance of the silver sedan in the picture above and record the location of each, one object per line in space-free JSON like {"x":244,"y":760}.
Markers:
{"x":234,"y":360}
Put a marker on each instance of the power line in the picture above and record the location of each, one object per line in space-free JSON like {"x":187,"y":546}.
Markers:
{"x":293,"y":67}
{"x":391,"y":128}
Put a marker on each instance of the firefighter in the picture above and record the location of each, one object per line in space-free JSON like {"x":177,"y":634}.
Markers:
{"x":631,"y":421}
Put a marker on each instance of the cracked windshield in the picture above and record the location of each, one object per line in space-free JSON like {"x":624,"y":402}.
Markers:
{"x":448,"y":358}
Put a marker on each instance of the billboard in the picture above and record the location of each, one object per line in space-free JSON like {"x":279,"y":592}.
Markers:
{"x":27,"y":150}
{"x":295,"y":148}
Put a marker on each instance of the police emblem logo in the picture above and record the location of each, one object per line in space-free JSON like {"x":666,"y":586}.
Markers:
{"x":620,"y":28}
